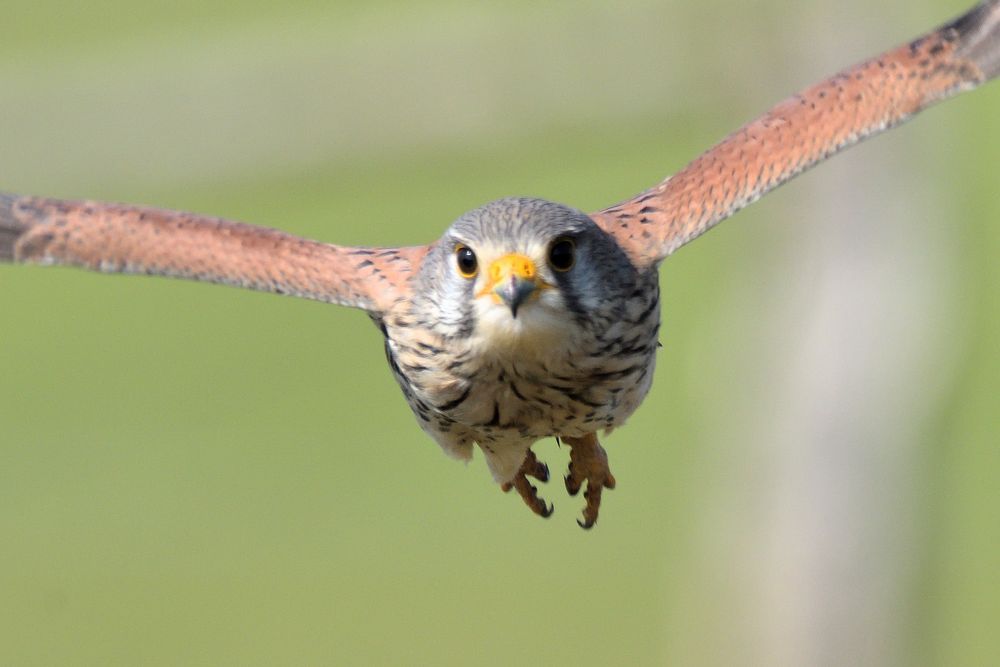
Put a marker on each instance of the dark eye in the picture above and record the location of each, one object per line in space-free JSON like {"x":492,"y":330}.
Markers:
{"x":562,"y":254}
{"x":466,"y":261}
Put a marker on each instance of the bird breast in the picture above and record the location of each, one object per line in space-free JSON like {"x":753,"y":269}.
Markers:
{"x":590,"y":379}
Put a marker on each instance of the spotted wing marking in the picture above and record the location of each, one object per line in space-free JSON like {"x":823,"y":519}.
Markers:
{"x":117,"y":238}
{"x":804,"y":130}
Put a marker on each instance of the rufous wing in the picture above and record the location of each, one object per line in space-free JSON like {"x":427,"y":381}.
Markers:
{"x":118,"y":238}
{"x":804,"y":130}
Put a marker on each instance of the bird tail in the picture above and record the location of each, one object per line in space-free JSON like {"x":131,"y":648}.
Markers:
{"x":10,"y":228}
{"x":977,"y":34}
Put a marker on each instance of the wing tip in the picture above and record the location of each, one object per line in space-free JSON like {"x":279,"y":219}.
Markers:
{"x":10,"y":228}
{"x":978,"y":35}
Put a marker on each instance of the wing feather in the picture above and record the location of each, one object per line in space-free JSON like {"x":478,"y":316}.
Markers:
{"x":804,"y":130}
{"x":118,"y":238}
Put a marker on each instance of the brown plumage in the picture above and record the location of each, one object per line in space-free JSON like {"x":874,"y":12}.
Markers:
{"x":527,"y":319}
{"x":118,"y":238}
{"x":805,"y":129}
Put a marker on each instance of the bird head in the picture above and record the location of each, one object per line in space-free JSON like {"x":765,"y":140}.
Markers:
{"x":521,"y":271}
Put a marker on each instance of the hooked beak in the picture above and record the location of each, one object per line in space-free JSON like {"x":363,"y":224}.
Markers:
{"x":514,"y":291}
{"x":512,"y":280}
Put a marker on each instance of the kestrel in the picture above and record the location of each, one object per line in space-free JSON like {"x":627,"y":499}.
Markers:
{"x":527,"y":319}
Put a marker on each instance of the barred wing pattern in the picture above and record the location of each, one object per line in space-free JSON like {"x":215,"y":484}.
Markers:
{"x":118,"y":238}
{"x":804,"y":130}
{"x":788,"y":139}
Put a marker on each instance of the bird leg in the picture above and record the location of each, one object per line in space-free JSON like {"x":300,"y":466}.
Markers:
{"x":588,"y":462}
{"x":531,"y":466}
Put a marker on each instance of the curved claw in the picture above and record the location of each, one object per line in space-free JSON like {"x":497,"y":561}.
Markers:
{"x":588,"y":463}
{"x":531,"y":466}
{"x":572,"y":485}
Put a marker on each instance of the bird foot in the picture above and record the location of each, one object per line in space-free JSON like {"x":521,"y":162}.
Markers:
{"x":535,"y":468}
{"x":588,"y":462}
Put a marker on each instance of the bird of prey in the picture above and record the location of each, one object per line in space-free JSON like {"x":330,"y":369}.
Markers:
{"x":527,"y":319}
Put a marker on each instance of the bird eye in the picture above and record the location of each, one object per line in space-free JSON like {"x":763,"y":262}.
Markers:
{"x":562,"y":254}
{"x":466,"y":261}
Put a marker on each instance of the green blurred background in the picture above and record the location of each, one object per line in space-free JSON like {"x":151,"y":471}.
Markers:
{"x":191,"y":474}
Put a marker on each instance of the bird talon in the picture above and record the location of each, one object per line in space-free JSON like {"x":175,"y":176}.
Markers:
{"x":588,"y":463}
{"x":572,"y":486}
{"x":531,"y":466}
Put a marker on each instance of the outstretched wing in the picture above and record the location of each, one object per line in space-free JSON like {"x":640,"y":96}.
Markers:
{"x":117,"y":238}
{"x":805,"y":129}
